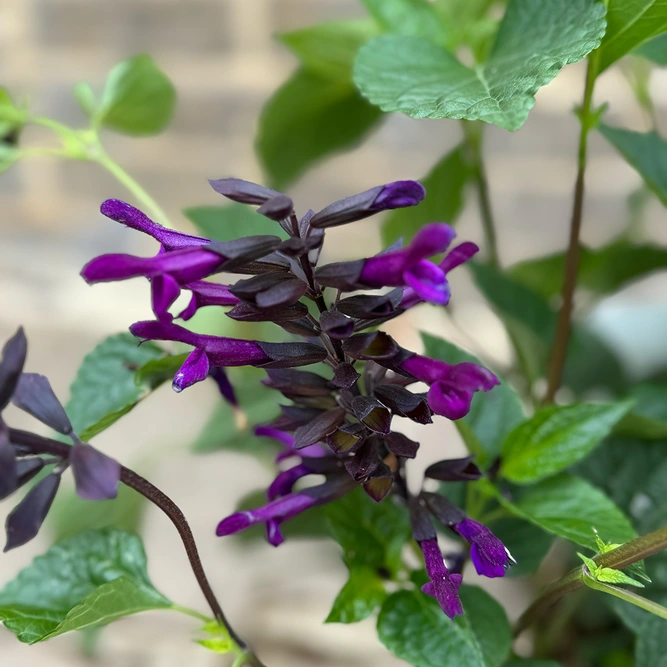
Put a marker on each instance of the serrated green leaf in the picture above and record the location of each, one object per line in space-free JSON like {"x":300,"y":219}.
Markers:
{"x":571,"y":507}
{"x":232,"y":221}
{"x":610,"y":576}
{"x":329,"y":49}
{"x":602,"y":270}
{"x":555,"y":438}
{"x":370,"y":534}
{"x":645,"y":151}
{"x":360,"y":596}
{"x":590,"y":363}
{"x":412,"y":626}
{"x":492,"y":415}
{"x":157,"y":371}
{"x":85,"y":581}
{"x":138,"y":98}
{"x":468,"y":22}
{"x":590,"y":564}
{"x":445,"y":188}
{"x":309,"y":117}
{"x":629,"y":24}
{"x":104,"y":388}
{"x":535,"y":40}
{"x":408,"y":17}
{"x":527,"y":543}
{"x":654,"y":50}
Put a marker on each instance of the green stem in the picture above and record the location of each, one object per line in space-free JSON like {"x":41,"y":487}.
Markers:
{"x":563,"y":326}
{"x":155,"y":210}
{"x":617,"y":559}
{"x":628,"y":596}
{"x":191,"y":612}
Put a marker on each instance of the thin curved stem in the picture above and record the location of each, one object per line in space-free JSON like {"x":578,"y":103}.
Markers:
{"x":41,"y":445}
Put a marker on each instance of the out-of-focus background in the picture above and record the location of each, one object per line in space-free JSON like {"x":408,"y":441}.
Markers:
{"x":224,"y":62}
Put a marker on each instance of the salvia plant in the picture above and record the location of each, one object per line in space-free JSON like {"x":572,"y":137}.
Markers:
{"x":311,"y":382}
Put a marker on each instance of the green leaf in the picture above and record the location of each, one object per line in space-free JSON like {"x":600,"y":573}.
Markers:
{"x":104,"y":388}
{"x":408,"y":17}
{"x":531,"y":663}
{"x":492,"y":415}
{"x":226,"y":223}
{"x":648,"y":419}
{"x":571,"y":508}
{"x":309,"y":117}
{"x":231,"y":430}
{"x":535,"y":40}
{"x":329,"y":49}
{"x":70,"y":515}
{"x":602,"y":270}
{"x":359,"y":597}
{"x":138,"y":98}
{"x":157,"y":371}
{"x":412,"y":626}
{"x":10,"y":114}
{"x":82,"y":582}
{"x":655,"y":50}
{"x":468,"y":22}
{"x":629,"y":24}
{"x":590,"y":363}
{"x":527,"y":543}
{"x":86,"y":98}
{"x":445,"y":188}
{"x":371,"y":534}
{"x":651,"y":647}
{"x":609,"y":576}
{"x":645,"y":151}
{"x":556,"y":437}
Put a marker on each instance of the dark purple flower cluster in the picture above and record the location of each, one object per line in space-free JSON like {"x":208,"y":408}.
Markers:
{"x":96,"y":475}
{"x":338,"y":424}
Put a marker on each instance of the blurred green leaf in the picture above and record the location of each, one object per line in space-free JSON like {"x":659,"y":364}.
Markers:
{"x":492,"y":415}
{"x":85,"y":581}
{"x":651,"y":646}
{"x":468,"y":22}
{"x":232,"y":221}
{"x":309,"y":117}
{"x":85,"y":97}
{"x":369,"y":533}
{"x":359,"y":597}
{"x":138,"y":98}
{"x":589,"y":364}
{"x":655,"y":50}
{"x":570,"y":507}
{"x":534,"y":41}
{"x":555,"y":438}
{"x":645,"y":151}
{"x":417,"y":18}
{"x":648,"y":419}
{"x":445,"y":189}
{"x":603,"y":270}
{"x":329,"y":49}
{"x":629,"y":24}
{"x":104,"y":388}
{"x":527,"y":543}
{"x":520,"y":662}
{"x":412,"y":626}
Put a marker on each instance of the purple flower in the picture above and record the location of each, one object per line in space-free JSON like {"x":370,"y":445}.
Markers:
{"x":96,"y":474}
{"x":489,"y":555}
{"x":204,"y":294}
{"x":452,"y":385}
{"x":221,"y":351}
{"x":407,"y":267}
{"x":132,"y":217}
{"x":443,"y":585}
{"x":287,"y":439}
{"x":399,"y":194}
{"x":455,"y":257}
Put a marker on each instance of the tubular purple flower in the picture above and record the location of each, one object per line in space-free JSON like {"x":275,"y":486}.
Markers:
{"x":443,"y":585}
{"x":452,"y":385}
{"x":287,"y":439}
{"x":455,"y":257}
{"x":285,"y":480}
{"x":184,"y":266}
{"x":205,"y":293}
{"x":132,"y":217}
{"x":195,"y":368}
{"x":489,"y":555}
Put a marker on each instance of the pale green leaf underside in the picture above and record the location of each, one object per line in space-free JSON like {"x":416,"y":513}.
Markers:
{"x":535,"y":40}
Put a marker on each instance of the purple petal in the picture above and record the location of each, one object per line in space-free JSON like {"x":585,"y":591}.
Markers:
{"x":285,"y":480}
{"x":273,"y":535}
{"x":457,"y":256}
{"x":399,"y":194}
{"x":8,"y":470}
{"x":194,"y":369}
{"x":96,"y":474}
{"x":34,"y":395}
{"x":448,"y":401}
{"x":445,"y":591}
{"x":164,"y":291}
{"x":184,"y":265}
{"x":282,"y":436}
{"x":219,"y":376}
{"x":428,"y":282}
{"x":488,"y":553}
{"x":132,"y":217}
{"x":473,"y":376}
{"x":430,"y":240}
{"x":13,"y":358}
